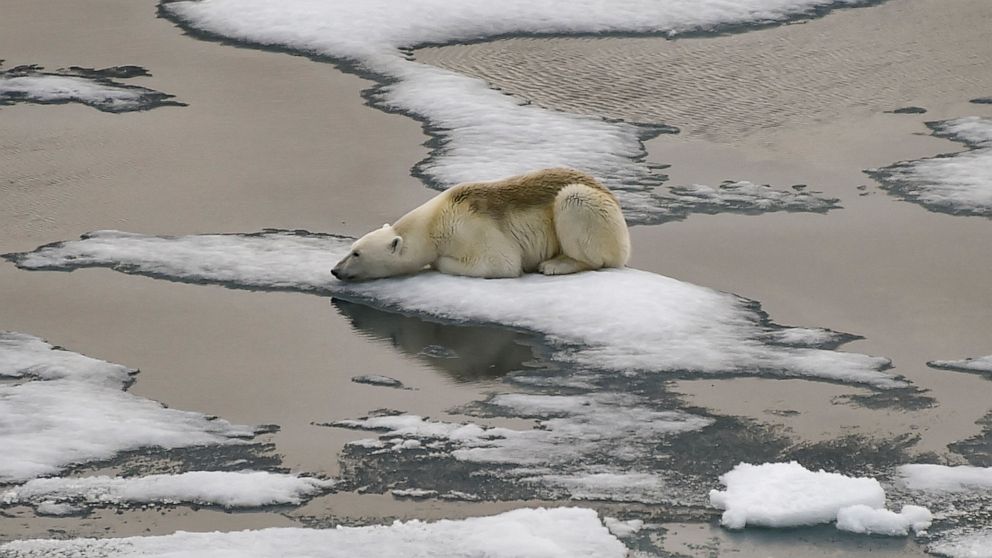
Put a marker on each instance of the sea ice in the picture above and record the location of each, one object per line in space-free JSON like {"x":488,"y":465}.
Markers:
{"x":871,"y":521}
{"x":942,"y":478}
{"x":964,"y":545}
{"x":588,"y":446}
{"x":629,"y":321}
{"x":67,"y":408}
{"x":789,"y":495}
{"x":237,"y":489}
{"x":482,"y":133}
{"x":30,"y":84}
{"x":522,"y":533}
{"x":959,"y":183}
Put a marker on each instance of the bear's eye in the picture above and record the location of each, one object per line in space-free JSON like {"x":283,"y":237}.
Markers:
{"x":355,"y":253}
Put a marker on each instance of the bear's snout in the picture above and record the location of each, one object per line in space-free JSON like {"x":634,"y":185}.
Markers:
{"x":342,"y":275}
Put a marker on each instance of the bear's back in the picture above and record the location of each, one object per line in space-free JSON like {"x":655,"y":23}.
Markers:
{"x":519,"y":193}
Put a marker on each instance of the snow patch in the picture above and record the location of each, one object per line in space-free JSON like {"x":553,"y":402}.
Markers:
{"x":522,"y":533}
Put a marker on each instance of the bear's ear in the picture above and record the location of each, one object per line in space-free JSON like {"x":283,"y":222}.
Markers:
{"x":396,"y":244}
{"x":385,"y":225}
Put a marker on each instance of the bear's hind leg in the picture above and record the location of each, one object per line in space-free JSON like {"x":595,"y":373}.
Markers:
{"x":591,"y":231}
{"x":562,"y":265}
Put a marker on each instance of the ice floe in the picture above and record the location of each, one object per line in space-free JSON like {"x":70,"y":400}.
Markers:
{"x":522,"y":533}
{"x":587,"y":447}
{"x":978,"y":364}
{"x":958,"y":183}
{"x":628,"y":321}
{"x":480,"y":133}
{"x":583,"y":425}
{"x":789,"y":495}
{"x":747,"y":197}
{"x":943,"y":478}
{"x":64,"y":408}
{"x":79,"y":85}
{"x":964,"y":544}
{"x":228,"y":489}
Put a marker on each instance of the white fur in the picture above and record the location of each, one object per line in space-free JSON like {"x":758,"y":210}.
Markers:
{"x":584,"y":229}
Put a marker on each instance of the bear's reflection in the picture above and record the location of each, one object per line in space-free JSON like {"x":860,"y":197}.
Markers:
{"x":467,"y":353}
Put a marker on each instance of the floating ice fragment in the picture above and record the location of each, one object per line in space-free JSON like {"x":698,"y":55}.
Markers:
{"x":77,"y":85}
{"x":977,"y":364}
{"x":376,"y":380}
{"x":789,"y":495}
{"x":621,"y":528}
{"x":522,"y":533}
{"x":239,"y":489}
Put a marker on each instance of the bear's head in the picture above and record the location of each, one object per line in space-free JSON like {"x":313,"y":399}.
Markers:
{"x":378,"y":254}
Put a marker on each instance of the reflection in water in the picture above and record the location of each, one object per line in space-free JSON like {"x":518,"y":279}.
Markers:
{"x":467,"y":353}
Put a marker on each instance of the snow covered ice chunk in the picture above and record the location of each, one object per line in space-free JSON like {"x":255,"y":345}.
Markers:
{"x":959,"y":183}
{"x":629,"y":321}
{"x":72,"y":409}
{"x":789,"y":495}
{"x":522,"y":533}
{"x":482,"y":133}
{"x":871,"y":521}
{"x":942,"y":478}
{"x":238,"y":489}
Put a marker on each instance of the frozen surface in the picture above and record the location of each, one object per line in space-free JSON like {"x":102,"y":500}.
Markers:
{"x":960,"y":183}
{"x":629,"y":321}
{"x":67,"y":409}
{"x":789,"y":495}
{"x":871,"y":521}
{"x":523,"y":533}
{"x":30,"y":84}
{"x":481,"y":133}
{"x":967,"y":544}
{"x":942,"y":478}
{"x":977,"y":364}
{"x":238,"y":489}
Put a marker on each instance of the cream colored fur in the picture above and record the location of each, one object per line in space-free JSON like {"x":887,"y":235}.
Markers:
{"x":555,"y":221}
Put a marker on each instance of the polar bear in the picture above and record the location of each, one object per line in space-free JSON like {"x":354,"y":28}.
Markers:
{"x":555,"y":221}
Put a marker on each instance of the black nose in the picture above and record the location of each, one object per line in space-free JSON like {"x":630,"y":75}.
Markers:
{"x":336,"y":273}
